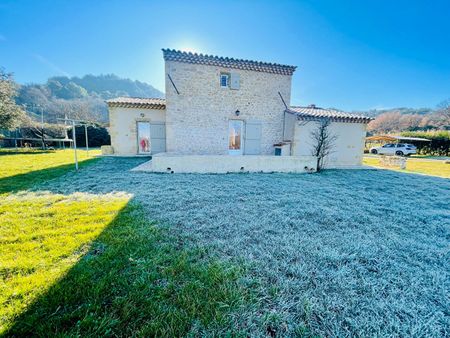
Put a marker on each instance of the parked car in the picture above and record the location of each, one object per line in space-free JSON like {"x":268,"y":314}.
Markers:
{"x":399,"y":149}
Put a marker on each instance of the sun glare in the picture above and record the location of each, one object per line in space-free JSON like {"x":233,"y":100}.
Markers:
{"x":189,"y":49}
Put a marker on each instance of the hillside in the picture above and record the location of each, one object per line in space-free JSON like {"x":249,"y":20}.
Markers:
{"x":81,"y":98}
{"x":409,"y":119}
{"x":402,"y":110}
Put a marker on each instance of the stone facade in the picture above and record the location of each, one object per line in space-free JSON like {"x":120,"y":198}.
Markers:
{"x":197,"y":118}
{"x":194,"y":118}
{"x":123,"y":127}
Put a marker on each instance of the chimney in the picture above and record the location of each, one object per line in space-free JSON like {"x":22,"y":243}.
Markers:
{"x":313,"y":106}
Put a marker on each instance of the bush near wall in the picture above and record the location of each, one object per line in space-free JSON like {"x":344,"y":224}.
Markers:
{"x":98,"y":136}
{"x":439,"y":145}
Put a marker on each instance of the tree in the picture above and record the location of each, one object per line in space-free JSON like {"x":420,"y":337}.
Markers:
{"x":444,"y":112}
{"x":323,"y":141}
{"x":385,"y":123}
{"x":10,"y":113}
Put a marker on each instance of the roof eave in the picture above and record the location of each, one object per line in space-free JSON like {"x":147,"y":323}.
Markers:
{"x":345,"y":119}
{"x":226,"y":62}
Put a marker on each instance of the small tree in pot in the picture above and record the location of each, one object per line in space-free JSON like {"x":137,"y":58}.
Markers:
{"x":323,"y":141}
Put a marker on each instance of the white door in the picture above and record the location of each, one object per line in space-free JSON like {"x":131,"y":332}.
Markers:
{"x":143,"y":137}
{"x":235,"y":137}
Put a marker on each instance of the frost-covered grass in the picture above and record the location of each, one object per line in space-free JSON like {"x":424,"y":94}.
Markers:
{"x":134,"y":279}
{"x":435,"y":167}
{"x":341,"y":253}
{"x":94,"y":264}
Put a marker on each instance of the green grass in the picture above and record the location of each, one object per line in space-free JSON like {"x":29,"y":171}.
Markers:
{"x":21,"y":170}
{"x":427,"y":167}
{"x":42,"y":236}
{"x":95,"y":265}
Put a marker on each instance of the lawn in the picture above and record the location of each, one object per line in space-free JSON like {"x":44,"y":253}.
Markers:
{"x":433,"y":167}
{"x":340,"y":253}
{"x":94,"y":264}
{"x":20,"y":170}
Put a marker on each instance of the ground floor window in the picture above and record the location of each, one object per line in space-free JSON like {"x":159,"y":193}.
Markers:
{"x":143,"y":134}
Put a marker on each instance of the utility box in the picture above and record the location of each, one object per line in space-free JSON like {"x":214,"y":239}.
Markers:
{"x":282,"y":149}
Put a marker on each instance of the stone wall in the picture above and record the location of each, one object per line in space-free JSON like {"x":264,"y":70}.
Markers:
{"x":168,"y":163}
{"x":123,"y":127}
{"x":197,"y":118}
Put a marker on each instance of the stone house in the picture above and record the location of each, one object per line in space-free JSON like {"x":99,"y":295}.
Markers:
{"x":224,"y":114}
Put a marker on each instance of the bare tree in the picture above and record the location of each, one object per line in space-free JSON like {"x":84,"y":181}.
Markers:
{"x":323,"y":141}
{"x":444,"y":111}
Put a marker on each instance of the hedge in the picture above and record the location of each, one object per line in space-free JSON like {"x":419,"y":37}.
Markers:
{"x":439,"y":145}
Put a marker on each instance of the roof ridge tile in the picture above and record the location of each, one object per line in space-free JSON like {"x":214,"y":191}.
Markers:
{"x":228,"y":62}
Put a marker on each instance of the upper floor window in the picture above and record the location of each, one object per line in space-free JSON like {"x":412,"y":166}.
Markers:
{"x":224,"y":80}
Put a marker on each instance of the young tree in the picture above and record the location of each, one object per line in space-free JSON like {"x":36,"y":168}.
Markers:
{"x":10,"y":113}
{"x":323,"y":141}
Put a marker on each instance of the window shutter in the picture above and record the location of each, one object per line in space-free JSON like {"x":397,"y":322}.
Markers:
{"x":252,"y":138}
{"x":157,"y":137}
{"x":234,"y":81}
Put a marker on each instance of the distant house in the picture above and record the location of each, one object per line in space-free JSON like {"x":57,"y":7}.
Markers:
{"x":218,"y":106}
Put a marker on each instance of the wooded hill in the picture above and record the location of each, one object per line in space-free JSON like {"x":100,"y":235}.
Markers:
{"x":407,"y":119}
{"x":79,"y":97}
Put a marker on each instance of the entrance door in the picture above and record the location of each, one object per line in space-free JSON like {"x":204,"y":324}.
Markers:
{"x":235,"y":129}
{"x":143,"y":135}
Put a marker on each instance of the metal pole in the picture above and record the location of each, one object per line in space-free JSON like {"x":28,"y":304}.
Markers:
{"x":74,"y":144}
{"x":87,"y":146}
{"x":65,"y":132}
{"x":42,"y":128}
{"x":15,"y":139}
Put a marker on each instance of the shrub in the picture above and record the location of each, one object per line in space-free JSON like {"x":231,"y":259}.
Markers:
{"x":98,"y":136}
{"x":439,"y":145}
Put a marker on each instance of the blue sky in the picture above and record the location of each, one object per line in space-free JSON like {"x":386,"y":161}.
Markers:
{"x":352,"y":55}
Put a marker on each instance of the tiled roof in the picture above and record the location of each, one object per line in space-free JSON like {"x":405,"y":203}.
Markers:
{"x":179,"y":56}
{"x":137,"y":102}
{"x":313,"y":113}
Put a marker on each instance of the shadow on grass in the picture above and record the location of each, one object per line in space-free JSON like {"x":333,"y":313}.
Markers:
{"x":12,"y":184}
{"x":137,"y":279}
